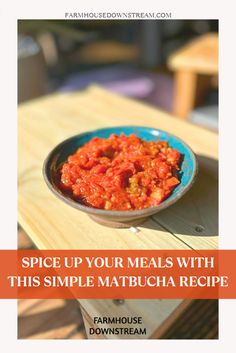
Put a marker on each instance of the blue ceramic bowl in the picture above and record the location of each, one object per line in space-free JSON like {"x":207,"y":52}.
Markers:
{"x":120,"y":218}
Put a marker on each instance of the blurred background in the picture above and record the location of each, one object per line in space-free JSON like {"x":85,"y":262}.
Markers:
{"x":170,"y":64}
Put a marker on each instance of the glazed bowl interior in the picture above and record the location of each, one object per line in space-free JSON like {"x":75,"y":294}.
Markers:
{"x":61,"y":152}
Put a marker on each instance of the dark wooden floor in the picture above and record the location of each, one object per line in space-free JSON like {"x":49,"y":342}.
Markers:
{"x":199,"y":321}
{"x":62,"y":319}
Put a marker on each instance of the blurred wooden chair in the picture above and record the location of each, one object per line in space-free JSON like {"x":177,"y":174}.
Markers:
{"x":196,"y":69}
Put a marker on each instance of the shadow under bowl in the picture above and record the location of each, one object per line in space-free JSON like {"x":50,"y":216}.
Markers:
{"x":119,"y":219}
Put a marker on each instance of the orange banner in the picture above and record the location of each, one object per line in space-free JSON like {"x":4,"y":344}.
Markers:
{"x":118,"y":274}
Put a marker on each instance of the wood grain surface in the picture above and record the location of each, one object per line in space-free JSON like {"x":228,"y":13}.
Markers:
{"x":51,"y":224}
{"x":54,"y":225}
{"x":153,"y":313}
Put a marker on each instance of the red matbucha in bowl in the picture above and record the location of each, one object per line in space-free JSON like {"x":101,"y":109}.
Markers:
{"x":121,"y":173}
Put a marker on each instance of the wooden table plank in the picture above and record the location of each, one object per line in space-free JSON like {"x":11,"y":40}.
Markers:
{"x":153,"y":313}
{"x":47,"y":121}
{"x":194,"y":219}
{"x":53,"y":225}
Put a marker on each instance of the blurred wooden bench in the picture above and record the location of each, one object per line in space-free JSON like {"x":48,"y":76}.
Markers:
{"x":196,"y":67}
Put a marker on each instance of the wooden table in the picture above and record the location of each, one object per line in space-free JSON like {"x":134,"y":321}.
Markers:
{"x":194,"y":64}
{"x":190,"y":223}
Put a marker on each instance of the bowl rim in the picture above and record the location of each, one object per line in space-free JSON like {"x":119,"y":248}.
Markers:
{"x":116,"y":213}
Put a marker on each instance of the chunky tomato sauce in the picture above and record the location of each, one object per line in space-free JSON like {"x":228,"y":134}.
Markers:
{"x":121,"y":173}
